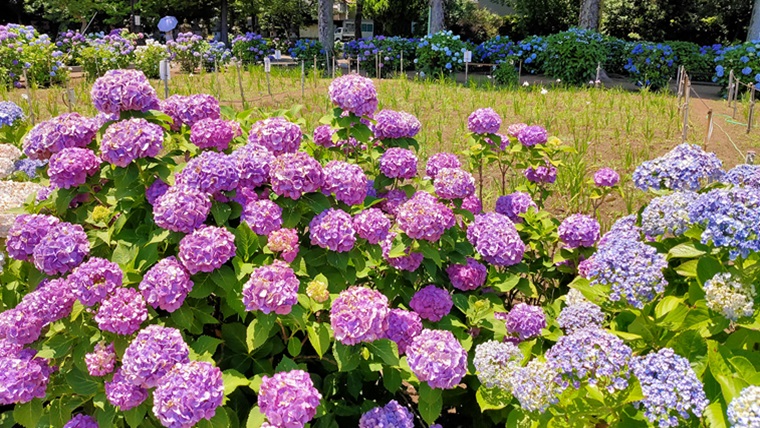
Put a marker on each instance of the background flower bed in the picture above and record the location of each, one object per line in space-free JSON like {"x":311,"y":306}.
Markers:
{"x":480,"y":309}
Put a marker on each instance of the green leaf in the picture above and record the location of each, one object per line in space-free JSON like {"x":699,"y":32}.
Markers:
{"x":319,"y":337}
{"x":294,"y":346}
{"x":28,"y":414}
{"x":220,"y":420}
{"x":729,"y":383}
{"x":347,"y":357}
{"x":688,"y":269}
{"x":258,"y":331}
{"x":386,"y":350}
{"x":431,"y":403}
{"x":206,"y":345}
{"x":391,"y":379}
{"x":232,"y":380}
{"x":221,"y":213}
{"x":430,"y":252}
{"x":715,"y":415}
{"x":246,"y":241}
{"x":255,"y":418}
{"x":707,"y":267}
{"x":234,"y":337}
{"x":492,"y":398}
{"x":135,"y":417}
{"x":82,"y":384}
{"x":692,"y":346}
{"x":225,"y":278}
{"x":317,"y":202}
{"x":687,"y":250}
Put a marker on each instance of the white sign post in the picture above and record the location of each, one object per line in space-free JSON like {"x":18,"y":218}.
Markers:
{"x":164,"y":71}
{"x":268,"y":70}
{"x":467,"y":61}
{"x":277,"y":54}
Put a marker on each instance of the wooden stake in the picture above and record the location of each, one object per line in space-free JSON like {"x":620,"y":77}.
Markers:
{"x":315,"y":71}
{"x":751,"y":107}
{"x":466,"y":72}
{"x":333,"y":67}
{"x":730,"y":87}
{"x":240,"y":83}
{"x":303,"y":78}
{"x":402,"y":63}
{"x":28,"y":84}
{"x":736,"y":95}
{"x":709,"y":128}
{"x":687,"y":91}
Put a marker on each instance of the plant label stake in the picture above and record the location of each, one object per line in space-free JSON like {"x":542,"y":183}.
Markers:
{"x":730,"y":87}
{"x":327,"y":64}
{"x":333,"y":66}
{"x":736,"y":95}
{"x":519,"y":72}
{"x":315,"y":71}
{"x":598,"y":80}
{"x":357,"y":66}
{"x":401,"y":68}
{"x":467,"y":60}
{"x":277,"y":54}
{"x":267,"y":71}
{"x":709,"y":127}
{"x":240,"y":83}
{"x":377,"y":66}
{"x":164,"y":70}
{"x":218,"y":85}
{"x":687,"y":90}
{"x":751,"y":107}
{"x":750,"y":157}
{"x":303,"y":78}
{"x":29,"y":97}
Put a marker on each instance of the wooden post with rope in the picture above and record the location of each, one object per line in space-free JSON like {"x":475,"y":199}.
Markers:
{"x":709,"y":128}
{"x":240,"y":83}
{"x":687,"y":92}
{"x":736,"y":94}
{"x":751,"y":107}
{"x":731,"y":84}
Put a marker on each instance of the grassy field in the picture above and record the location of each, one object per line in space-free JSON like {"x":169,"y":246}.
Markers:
{"x":606,"y":127}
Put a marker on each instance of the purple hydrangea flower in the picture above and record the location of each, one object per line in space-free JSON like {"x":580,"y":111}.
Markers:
{"x":743,"y":175}
{"x":52,"y":300}
{"x":472,"y":204}
{"x":359,"y":314}
{"x":253,"y":164}
{"x":187,"y":110}
{"x":277,"y":134}
{"x":410,"y":261}
{"x":206,"y":249}
{"x":668,"y":214}
{"x":591,"y":355}
{"x":394,"y":124}
{"x":23,"y":378}
{"x":496,"y":362}
{"x":437,"y":357}
{"x":29,"y":167}
{"x":81,"y":421}
{"x":439,"y":161}
{"x":263,"y":216}
{"x":579,"y":230}
{"x":71,"y":166}
{"x":26,"y":232}
{"x":372,"y":225}
{"x":731,"y":219}
{"x":122,"y":312}
{"x":10,"y":113}
{"x":403,"y":326}
{"x":213,"y":133}
{"x":525,"y":321}
{"x":580,"y":315}
{"x":123,"y":394}
{"x":68,"y":130}
{"x":546,"y":174}
{"x":95,"y":279}
{"x":152,"y":354}
{"x":127,"y":140}
{"x":484,"y":121}
{"x":188,"y":393}
{"x":272,"y":288}
{"x":20,"y":327}
{"x":333,"y":229}
{"x":454,"y":183}
{"x":530,"y":136}
{"x":288,"y":399}
{"x":166,"y":284}
{"x":323,"y":136}
{"x":514,"y":129}
{"x":514,"y":204}
{"x":398,"y":163}
{"x":670,"y":387}
{"x":495,"y":238}
{"x":423,"y":217}
{"x":210,"y":172}
{"x":155,"y":191}
{"x":122,"y":90}
{"x":355,"y":94}
{"x":432,"y":303}
{"x":181,"y":209}
{"x":293,"y":174}
{"x":391,"y":415}
{"x":285,"y":242}
{"x":62,"y":249}
{"x":101,"y":361}
{"x":683,"y":168}
{"x":346,"y":181}
{"x":606,"y":177}
{"x":393,"y":199}
{"x":469,"y":276}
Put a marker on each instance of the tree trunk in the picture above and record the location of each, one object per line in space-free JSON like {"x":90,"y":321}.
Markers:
{"x":223,"y":23}
{"x":326,"y":28}
{"x":436,"y":16}
{"x":589,"y":17}
{"x":358,"y":19}
{"x":753,"y":33}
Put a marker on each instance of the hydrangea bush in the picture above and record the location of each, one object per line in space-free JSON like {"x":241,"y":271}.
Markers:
{"x":251,"y":48}
{"x":24,"y":50}
{"x":573,"y":56}
{"x":389,"y":51}
{"x":441,"y":52}
{"x":743,"y":59}
{"x":262,"y":281}
{"x":651,"y":65}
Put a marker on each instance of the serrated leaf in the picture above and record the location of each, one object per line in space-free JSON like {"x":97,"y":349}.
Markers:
{"x":347,"y":357}
{"x":431,"y":403}
{"x":206,"y":345}
{"x":232,"y":380}
{"x":258,"y":331}
{"x":28,"y":414}
{"x":234,"y":337}
{"x":386,"y":350}
{"x":294,"y":346}
{"x":246,"y":242}
{"x":492,"y":398}
{"x":687,"y":250}
{"x":255,"y":418}
{"x":319,"y":337}
{"x":391,"y":379}
{"x":82,"y":384}
{"x":135,"y":417}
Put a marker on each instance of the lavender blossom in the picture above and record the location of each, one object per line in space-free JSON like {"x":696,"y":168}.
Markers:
{"x":495,"y":238}
{"x":277,"y":134}
{"x":26,"y":232}
{"x":422,"y":217}
{"x":293,"y":174}
{"x":437,"y":357}
{"x":398,"y":163}
{"x":181,"y":209}
{"x":439,"y":161}
{"x":346,"y":181}
{"x":403,"y":326}
{"x":454,"y":183}
{"x":579,"y":230}
{"x":101,"y":361}
{"x":123,"y":90}
{"x":262,"y":216}
{"x":151,"y":355}
{"x":188,"y":393}
{"x":71,"y":166}
{"x":514,"y":204}
{"x":469,"y":276}
{"x":127,"y":140}
{"x":354,"y":94}
{"x":372,"y":225}
{"x":122,"y":312}
{"x":272,"y":288}
{"x":62,"y":249}
{"x":359,"y":314}
{"x":484,"y":121}
{"x":206,"y":249}
{"x":390,"y":415}
{"x":432,"y":303}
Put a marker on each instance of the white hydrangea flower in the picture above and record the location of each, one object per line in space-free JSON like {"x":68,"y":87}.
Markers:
{"x":744,"y":410}
{"x":729,"y":296}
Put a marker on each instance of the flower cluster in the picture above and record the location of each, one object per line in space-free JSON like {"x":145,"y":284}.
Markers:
{"x":68,"y":130}
{"x":729,"y":296}
{"x":525,"y":321}
{"x":579,"y":315}
{"x":124,"y":394}
{"x":81,"y":421}
{"x":469,"y":276}
{"x":355,"y":94}
{"x":123,"y":90}
{"x":101,"y":361}
{"x":122,"y":312}
{"x":10,"y":113}
{"x":285,"y":242}
{"x":127,"y":140}
{"x":530,"y":136}
{"x":346,"y":181}
{"x":437,"y":357}
{"x":253,"y":165}
{"x":432,"y":303}
{"x":514,"y":204}
{"x":591,"y":355}
{"x":390,"y":415}
{"x":542,"y":174}
{"x":535,"y":386}
{"x":166,"y":284}
{"x":288,"y":399}
{"x":410,"y":261}
{"x":440,"y":161}
{"x":484,"y":121}
{"x":395,"y":124}
{"x":206,"y":249}
{"x":262,"y":216}
{"x":272,"y":288}
{"x":181,"y":209}
{"x":188,"y":393}
{"x":683,"y":168}
{"x":496,"y":362}
{"x":61,"y":249}
{"x":189,"y":109}
{"x":293,"y":174}
{"x":579,"y":230}
{"x":454,"y":183}
{"x":371,"y":224}
{"x":23,"y":377}
{"x":403,"y":326}
{"x":744,"y":410}
{"x":94,"y":280}
{"x":606,"y":177}
{"x":26,"y":232}
{"x":743,"y":175}
{"x":670,"y":387}
{"x":71,"y":166}
{"x":211,"y":133}
{"x":398,"y":163}
{"x":668,"y":214}
{"x":151,"y":354}
{"x":731,"y":219}
{"x":333,"y":229}
{"x":495,"y":238}
{"x":359,"y":314}
{"x":250,"y":47}
{"x":422,"y":217}
{"x":210,"y":172}
{"x":277,"y":134}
